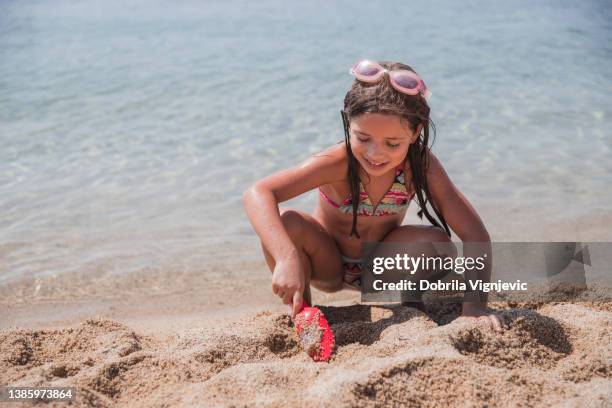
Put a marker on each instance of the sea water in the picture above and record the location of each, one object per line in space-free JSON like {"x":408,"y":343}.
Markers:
{"x":130,"y":129}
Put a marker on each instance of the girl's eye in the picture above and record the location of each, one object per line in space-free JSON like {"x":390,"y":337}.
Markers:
{"x":362,"y":140}
{"x":393,"y":145}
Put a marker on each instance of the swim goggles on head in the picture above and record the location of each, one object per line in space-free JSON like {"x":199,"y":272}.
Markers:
{"x":402,"y":80}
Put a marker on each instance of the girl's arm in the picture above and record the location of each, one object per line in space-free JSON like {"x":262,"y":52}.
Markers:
{"x":261,"y":204}
{"x":455,"y":207}
{"x":262,"y":198}
{"x":463,"y":219}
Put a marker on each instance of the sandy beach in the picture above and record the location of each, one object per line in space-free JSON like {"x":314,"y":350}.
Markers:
{"x":220,"y":338}
{"x":386,"y":355}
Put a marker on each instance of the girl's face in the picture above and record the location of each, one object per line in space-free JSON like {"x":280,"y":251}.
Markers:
{"x":380,"y":142}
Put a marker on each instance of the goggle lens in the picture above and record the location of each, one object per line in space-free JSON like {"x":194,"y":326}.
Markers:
{"x":367,"y":68}
{"x":406,"y":80}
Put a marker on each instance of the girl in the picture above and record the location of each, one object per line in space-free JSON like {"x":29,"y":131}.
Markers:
{"x":365,"y":187}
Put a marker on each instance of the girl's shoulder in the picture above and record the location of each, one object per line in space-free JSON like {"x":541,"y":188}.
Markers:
{"x":325,"y":167}
{"x":336,"y":151}
{"x":433,"y":169}
{"x":333,"y":162}
{"x":333,"y":157}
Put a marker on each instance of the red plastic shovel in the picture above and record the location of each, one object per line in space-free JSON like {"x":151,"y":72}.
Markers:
{"x":314,"y":331}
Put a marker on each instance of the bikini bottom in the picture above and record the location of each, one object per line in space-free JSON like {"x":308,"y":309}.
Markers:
{"x":352,"y":272}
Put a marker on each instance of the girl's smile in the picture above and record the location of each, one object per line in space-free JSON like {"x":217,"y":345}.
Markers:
{"x":374,"y":164}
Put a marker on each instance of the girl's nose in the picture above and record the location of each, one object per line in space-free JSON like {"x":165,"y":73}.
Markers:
{"x":374,"y":152}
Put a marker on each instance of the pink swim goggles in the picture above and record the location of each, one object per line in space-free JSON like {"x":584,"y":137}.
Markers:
{"x":404,"y":81}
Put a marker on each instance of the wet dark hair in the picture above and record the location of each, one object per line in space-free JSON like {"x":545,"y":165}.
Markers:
{"x":381,"y":97}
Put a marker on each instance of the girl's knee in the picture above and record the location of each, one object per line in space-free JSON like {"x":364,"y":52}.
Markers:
{"x":417,"y":234}
{"x":437,"y":234}
{"x":442,"y":243}
{"x":424,"y":239}
{"x":430,"y":234}
{"x":293,"y":222}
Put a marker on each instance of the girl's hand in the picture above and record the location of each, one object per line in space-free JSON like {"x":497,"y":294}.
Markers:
{"x":288,"y":282}
{"x":472,"y":313}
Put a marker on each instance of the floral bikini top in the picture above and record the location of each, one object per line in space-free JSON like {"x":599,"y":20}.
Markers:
{"x":395,"y":200}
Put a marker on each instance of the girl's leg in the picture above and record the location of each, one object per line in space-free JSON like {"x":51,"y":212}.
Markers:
{"x":422,"y":242}
{"x":318,"y":250}
{"x":423,"y":236}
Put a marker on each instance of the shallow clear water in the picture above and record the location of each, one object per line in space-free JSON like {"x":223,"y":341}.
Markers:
{"x":130,"y":130}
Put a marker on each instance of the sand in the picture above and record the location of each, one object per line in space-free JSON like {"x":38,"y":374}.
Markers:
{"x":218,"y":337}
{"x":386,"y":355}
